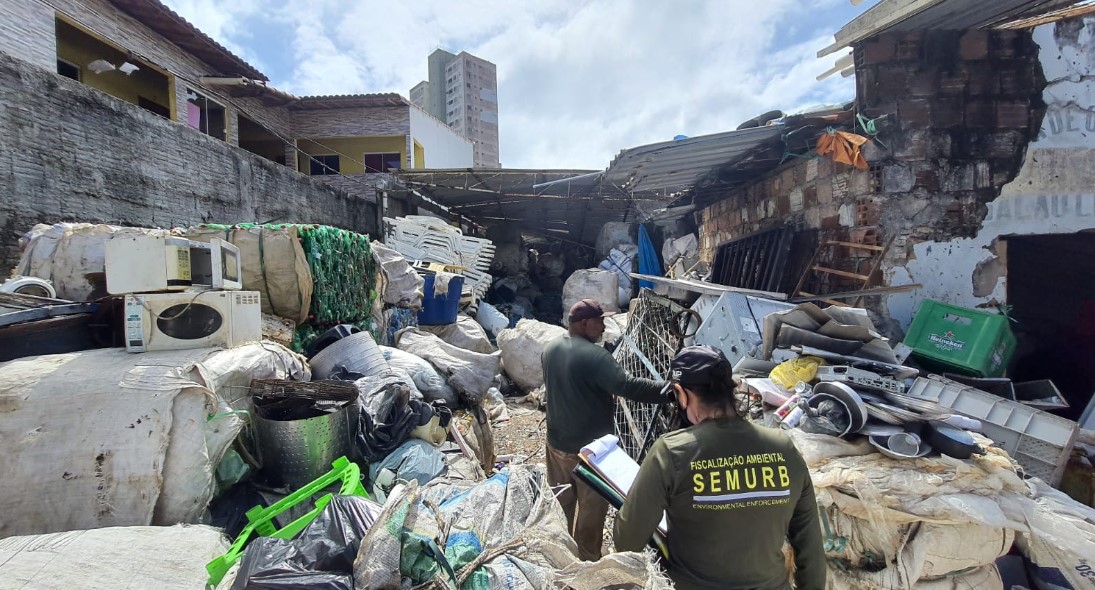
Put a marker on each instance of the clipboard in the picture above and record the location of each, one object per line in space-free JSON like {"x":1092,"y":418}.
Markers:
{"x":610,"y":471}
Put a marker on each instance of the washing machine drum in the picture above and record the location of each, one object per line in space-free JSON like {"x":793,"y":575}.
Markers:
{"x":29,"y":286}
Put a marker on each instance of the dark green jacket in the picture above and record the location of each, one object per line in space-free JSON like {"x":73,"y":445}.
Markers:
{"x":581,"y":378}
{"x":732,"y":492}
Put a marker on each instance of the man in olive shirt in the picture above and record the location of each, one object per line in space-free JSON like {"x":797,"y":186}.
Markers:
{"x":581,"y":379}
{"x":731,"y":491}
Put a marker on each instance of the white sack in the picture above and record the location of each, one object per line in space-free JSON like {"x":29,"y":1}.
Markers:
{"x":425,"y":377}
{"x":681,"y":253}
{"x":469,"y":373}
{"x":67,"y":253}
{"x":599,"y":285}
{"x":164,"y":558}
{"x":404,"y":284}
{"x":1061,"y":540}
{"x":613,"y":234}
{"x":463,"y":333}
{"x":983,"y":578}
{"x":522,"y":347}
{"x":105,"y":438}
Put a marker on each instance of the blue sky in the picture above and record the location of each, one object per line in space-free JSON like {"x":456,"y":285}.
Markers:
{"x":578,"y":81}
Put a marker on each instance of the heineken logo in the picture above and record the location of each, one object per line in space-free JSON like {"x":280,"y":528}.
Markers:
{"x":946,"y":340}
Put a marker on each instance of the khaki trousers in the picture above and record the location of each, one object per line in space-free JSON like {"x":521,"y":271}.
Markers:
{"x":584,"y":508}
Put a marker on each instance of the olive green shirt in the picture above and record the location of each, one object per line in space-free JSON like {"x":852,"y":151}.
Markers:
{"x":581,"y":378}
{"x":732,"y":492}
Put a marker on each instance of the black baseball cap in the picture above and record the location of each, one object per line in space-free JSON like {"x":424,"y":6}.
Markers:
{"x":587,"y":309}
{"x":695,"y":365}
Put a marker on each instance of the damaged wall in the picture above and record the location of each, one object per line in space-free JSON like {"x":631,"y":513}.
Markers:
{"x":1053,"y":193}
{"x":72,"y":153}
{"x":954,"y":112}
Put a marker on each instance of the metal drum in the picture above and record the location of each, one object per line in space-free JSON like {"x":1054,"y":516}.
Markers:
{"x":302,"y":428}
{"x":357,"y":353}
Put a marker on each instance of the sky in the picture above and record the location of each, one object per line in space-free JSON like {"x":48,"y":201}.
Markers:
{"x":578,"y":81}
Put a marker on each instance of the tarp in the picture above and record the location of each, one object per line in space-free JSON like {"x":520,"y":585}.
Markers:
{"x":107,"y":438}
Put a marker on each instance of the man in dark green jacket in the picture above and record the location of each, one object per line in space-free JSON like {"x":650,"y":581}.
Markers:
{"x":732,"y":492}
{"x":581,"y":379}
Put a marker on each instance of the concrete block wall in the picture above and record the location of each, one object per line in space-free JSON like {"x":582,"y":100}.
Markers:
{"x":27,"y":32}
{"x":71,"y":153}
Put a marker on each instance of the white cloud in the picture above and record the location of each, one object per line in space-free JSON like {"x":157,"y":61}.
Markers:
{"x":224,"y":22}
{"x":577,"y":81}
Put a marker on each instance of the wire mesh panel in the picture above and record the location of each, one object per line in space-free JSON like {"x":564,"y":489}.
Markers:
{"x":645,"y":350}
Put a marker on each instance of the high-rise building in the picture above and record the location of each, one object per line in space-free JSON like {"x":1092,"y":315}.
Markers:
{"x":462,"y":91}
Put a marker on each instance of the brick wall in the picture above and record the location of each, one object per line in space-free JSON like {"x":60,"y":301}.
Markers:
{"x":955,"y":114}
{"x":809,"y":192}
{"x":352,"y":122}
{"x":960,"y":108}
{"x":71,"y":153}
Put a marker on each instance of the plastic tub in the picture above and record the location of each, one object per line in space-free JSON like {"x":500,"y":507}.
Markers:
{"x":961,"y":340}
{"x":440,"y":310}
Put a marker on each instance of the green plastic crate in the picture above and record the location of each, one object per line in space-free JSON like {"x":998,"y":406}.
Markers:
{"x":260,"y":519}
{"x":962,"y":340}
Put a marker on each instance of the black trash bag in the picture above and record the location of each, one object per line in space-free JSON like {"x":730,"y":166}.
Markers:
{"x":320,"y":557}
{"x":381,"y":433}
{"x":829,"y":417}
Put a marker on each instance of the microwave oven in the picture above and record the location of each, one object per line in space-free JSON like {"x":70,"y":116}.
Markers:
{"x":195,"y":319}
{"x":147,"y":264}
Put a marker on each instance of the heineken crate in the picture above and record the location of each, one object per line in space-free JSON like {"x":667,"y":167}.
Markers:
{"x":961,"y":340}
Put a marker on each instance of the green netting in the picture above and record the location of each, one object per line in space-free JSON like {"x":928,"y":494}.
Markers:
{"x":344,"y":274}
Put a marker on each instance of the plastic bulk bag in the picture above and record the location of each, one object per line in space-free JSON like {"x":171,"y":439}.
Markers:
{"x":426,"y":378}
{"x":160,"y":557}
{"x":404,"y":284}
{"x":274,"y":264}
{"x":469,"y":373}
{"x":522,"y":347}
{"x":415,"y":459}
{"x":464,"y":333}
{"x":600,"y":285}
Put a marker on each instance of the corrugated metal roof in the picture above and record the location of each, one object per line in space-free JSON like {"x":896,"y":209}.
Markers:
{"x":922,"y":15}
{"x":568,"y":204}
{"x":673,"y":166}
{"x":176,"y":29}
{"x":700,"y":170}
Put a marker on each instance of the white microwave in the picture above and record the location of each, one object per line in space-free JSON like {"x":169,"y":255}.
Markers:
{"x":196,"y":319}
{"x":146,"y":264}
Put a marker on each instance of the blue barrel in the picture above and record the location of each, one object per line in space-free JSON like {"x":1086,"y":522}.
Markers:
{"x":440,"y":310}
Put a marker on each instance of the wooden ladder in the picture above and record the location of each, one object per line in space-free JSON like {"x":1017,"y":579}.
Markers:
{"x":818,"y":271}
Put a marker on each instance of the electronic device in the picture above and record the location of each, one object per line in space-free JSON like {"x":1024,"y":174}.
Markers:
{"x":147,"y":264}
{"x":196,"y":319}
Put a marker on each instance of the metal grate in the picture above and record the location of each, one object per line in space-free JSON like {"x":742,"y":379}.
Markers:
{"x":755,"y":261}
{"x":645,"y":350}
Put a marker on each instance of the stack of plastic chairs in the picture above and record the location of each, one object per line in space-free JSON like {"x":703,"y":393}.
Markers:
{"x":428,"y":239}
